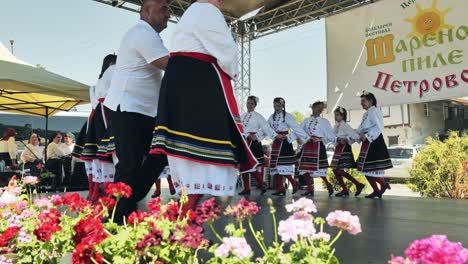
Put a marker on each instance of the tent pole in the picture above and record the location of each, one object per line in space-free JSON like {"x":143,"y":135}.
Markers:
{"x":46,"y":131}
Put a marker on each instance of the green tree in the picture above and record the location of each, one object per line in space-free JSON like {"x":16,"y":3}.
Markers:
{"x":440,"y":169}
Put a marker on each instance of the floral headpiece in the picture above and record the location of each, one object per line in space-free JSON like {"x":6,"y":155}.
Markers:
{"x":340,"y":109}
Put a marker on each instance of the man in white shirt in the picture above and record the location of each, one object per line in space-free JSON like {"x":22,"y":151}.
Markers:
{"x":133,"y":98}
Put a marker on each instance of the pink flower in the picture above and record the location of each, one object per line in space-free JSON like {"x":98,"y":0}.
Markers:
{"x":43,"y":202}
{"x":292,"y":228}
{"x":321,"y":236}
{"x":437,"y":249}
{"x":242,"y":209}
{"x":56,"y":199}
{"x":223,"y":250}
{"x":17,"y":190}
{"x":238,"y":246}
{"x":32,"y":180}
{"x":303,"y":204}
{"x":192,"y":237}
{"x":344,"y":220}
{"x":207,"y":211}
{"x":2,"y":205}
{"x":22,"y":205}
{"x":396,"y":260}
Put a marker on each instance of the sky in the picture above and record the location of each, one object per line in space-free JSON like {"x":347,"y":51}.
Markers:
{"x":71,"y":38}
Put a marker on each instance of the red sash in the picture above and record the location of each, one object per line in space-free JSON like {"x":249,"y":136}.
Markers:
{"x":310,"y":156}
{"x":276,"y":150}
{"x":337,"y":155}
{"x":362,"y":155}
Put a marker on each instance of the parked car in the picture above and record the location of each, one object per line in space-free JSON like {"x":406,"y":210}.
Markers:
{"x":402,"y":159}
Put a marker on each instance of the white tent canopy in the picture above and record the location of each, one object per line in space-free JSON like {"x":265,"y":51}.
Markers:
{"x":27,"y":89}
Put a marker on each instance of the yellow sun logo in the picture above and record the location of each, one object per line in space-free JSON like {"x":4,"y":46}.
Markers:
{"x":429,"y":20}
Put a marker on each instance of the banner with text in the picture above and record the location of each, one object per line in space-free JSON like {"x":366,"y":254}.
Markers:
{"x":409,"y":51}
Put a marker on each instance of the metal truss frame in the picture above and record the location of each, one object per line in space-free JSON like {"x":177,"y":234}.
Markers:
{"x":286,"y":14}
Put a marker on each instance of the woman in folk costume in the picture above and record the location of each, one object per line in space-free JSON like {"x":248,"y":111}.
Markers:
{"x":313,"y":160}
{"x":282,"y":157}
{"x":373,"y":158}
{"x":198,"y":124}
{"x":255,"y":128}
{"x":343,"y":158}
{"x":165,"y":174}
{"x":89,"y":147}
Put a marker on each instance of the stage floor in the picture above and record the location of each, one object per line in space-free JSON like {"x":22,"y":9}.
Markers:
{"x":388,"y":225}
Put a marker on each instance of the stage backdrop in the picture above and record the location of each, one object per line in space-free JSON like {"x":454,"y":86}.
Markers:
{"x":409,"y":51}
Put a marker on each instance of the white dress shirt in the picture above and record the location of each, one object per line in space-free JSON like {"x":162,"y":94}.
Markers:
{"x":31,"y":153}
{"x":54,"y":151}
{"x":202,"y":28}
{"x":9,"y":146}
{"x":136,"y":82}
{"x":319,"y":127}
{"x":280,"y":124}
{"x":104,"y":83}
{"x":344,"y":130}
{"x":372,"y":124}
{"x":254,"y":122}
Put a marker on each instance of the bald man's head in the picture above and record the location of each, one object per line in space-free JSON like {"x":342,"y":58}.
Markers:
{"x":156,"y":13}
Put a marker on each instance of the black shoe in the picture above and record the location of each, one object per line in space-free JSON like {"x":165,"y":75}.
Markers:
{"x":295,"y":188}
{"x":330,"y":190}
{"x":264,"y":190}
{"x":372,"y":195}
{"x":342,"y":193}
{"x":282,"y":193}
{"x":387,"y":186}
{"x":244,"y":192}
{"x":308,"y":193}
{"x":359,"y":188}
{"x":156,"y":194}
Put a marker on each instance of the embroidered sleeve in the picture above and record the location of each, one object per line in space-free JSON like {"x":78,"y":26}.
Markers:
{"x":298,"y":131}
{"x":265,"y":127}
{"x":217,"y":39}
{"x":330,"y":135}
{"x":352,"y":136}
{"x":376,"y":119}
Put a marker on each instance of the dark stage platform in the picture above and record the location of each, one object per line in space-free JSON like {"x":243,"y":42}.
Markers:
{"x":388,"y":225}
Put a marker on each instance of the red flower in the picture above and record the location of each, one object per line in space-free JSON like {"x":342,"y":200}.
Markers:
{"x":191,"y":216}
{"x":172,"y":211}
{"x":8,"y":235}
{"x":46,"y":230}
{"x":242,"y":209}
{"x":83,"y":254}
{"x":137,"y":217}
{"x":74,"y":201}
{"x":150,"y":240}
{"x":207,"y":211}
{"x":51,"y":216}
{"x":86,"y":227}
{"x":155,"y":206}
{"x":108,"y":202}
{"x":193,"y":237}
{"x":118,"y":190}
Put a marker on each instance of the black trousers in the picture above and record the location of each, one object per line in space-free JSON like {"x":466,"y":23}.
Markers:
{"x":133,"y":133}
